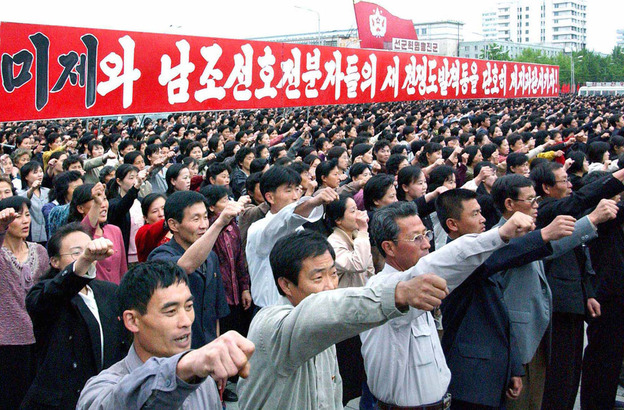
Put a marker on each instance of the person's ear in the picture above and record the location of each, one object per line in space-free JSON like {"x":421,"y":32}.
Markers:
{"x":131,"y":319}
{"x":389,"y":248}
{"x":508,"y":204}
{"x":270,"y":197}
{"x":547,"y":189}
{"x":80,"y":209}
{"x":452,"y":225}
{"x":339,"y":222}
{"x":55,"y":262}
{"x":285,"y":285}
{"x":172,"y":224}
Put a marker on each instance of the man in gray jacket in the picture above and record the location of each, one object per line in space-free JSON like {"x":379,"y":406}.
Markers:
{"x":159,"y":371}
{"x":295,"y":364}
{"x":525,"y":289}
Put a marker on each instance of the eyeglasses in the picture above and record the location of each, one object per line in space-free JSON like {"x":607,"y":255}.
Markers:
{"x":418,"y":238}
{"x":533,"y":201}
{"x":74,"y":254}
{"x":565,"y":181}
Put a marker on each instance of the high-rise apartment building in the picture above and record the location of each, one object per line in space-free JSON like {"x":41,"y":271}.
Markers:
{"x":620,"y":38}
{"x":555,"y":22}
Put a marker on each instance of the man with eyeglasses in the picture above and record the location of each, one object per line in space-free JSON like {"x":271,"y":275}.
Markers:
{"x":477,"y":342}
{"x":75,"y":320}
{"x":403,"y":358}
{"x":568,"y":277}
{"x":525,"y":288}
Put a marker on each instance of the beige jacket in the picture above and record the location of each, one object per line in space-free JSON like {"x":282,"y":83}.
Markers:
{"x":354,"y":261}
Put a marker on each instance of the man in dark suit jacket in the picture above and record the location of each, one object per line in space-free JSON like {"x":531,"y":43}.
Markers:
{"x":484,"y":360}
{"x":75,"y":319}
{"x":568,"y":277}
{"x":605,"y":334}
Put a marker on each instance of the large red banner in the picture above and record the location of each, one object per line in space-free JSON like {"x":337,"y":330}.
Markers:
{"x":61,"y":72}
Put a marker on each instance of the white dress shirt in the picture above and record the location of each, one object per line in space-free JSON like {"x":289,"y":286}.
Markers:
{"x":403,"y":358}
{"x":261,"y":237}
{"x":89,"y":300}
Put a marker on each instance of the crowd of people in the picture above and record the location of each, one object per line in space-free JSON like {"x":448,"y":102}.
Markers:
{"x":418,"y":255}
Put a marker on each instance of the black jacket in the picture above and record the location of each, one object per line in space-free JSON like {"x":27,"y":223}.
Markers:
{"x":68,"y":348}
{"x":478,"y":344}
{"x":569,"y":275}
{"x":119,"y":213}
{"x":237,"y":182}
{"x":608,"y":258}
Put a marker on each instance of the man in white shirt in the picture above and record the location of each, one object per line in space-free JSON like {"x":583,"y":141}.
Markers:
{"x":280,"y":188}
{"x":403,"y":358}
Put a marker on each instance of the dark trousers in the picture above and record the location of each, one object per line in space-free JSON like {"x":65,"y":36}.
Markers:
{"x":464,"y":405}
{"x":351,"y":366}
{"x":603,"y":356}
{"x":239,"y":319}
{"x":563,"y":373}
{"x":17,"y":370}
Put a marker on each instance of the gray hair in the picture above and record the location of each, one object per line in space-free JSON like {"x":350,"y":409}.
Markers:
{"x":384,"y":225}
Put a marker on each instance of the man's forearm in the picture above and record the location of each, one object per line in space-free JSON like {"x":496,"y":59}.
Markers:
{"x":197,"y":253}
{"x":306,"y":207}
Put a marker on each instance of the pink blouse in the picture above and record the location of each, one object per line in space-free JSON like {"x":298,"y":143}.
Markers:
{"x":16,"y":279}
{"x":115,"y":266}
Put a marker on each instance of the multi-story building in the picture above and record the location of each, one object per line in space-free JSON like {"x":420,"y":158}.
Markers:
{"x":479,"y":49}
{"x":447,"y":34}
{"x":554,"y":22}
{"x":436,"y":37}
{"x":620,"y":38}
{"x":488,"y":24}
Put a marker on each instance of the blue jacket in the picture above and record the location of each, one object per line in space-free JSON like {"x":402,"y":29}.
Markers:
{"x":207,"y":289}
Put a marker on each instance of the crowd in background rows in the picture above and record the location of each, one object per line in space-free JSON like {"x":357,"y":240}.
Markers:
{"x":75,"y":180}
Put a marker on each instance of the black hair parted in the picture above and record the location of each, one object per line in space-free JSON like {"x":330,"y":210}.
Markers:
{"x":179,"y":201}
{"x":289,"y":252}
{"x":277,"y":176}
{"x":508,"y":186}
{"x":450,"y":204}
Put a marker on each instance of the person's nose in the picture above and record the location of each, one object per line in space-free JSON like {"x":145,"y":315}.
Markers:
{"x":185,"y":318}
{"x":329,"y":283}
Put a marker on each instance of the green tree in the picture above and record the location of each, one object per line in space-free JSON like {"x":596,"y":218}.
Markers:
{"x":588,"y":65}
{"x":494,"y":52}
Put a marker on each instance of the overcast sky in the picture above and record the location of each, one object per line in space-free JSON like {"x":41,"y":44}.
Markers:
{"x":257,"y":18}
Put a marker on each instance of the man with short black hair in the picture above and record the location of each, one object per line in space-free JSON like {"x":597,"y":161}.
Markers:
{"x":295,"y":364}
{"x":288,"y":212}
{"x":459,"y":213}
{"x":190,"y":247}
{"x":159,"y":370}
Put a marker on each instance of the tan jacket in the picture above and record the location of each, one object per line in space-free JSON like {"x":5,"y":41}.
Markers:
{"x":354,"y":261}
